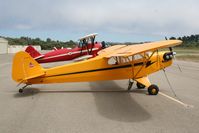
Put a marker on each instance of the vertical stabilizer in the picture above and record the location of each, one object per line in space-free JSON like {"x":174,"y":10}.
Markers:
{"x":33,"y":52}
{"x":24,"y":67}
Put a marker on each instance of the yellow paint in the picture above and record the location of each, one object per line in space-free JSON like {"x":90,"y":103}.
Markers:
{"x":24,"y":67}
{"x":144,"y":80}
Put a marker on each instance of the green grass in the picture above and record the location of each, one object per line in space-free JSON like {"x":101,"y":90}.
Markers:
{"x":187,"y":54}
{"x":194,"y":58}
{"x":186,"y":50}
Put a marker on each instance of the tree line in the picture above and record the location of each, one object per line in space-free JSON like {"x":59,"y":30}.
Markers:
{"x":188,"y":41}
{"x":47,"y":44}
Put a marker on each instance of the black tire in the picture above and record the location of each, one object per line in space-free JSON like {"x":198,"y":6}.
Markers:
{"x":140,"y":86}
{"x":20,"y":90}
{"x":153,"y":90}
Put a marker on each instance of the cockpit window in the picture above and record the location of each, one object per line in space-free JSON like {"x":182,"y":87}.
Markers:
{"x":86,"y":41}
{"x":122,"y":60}
{"x":112,"y":61}
{"x":149,"y":53}
{"x":137,"y":57}
{"x":119,"y":60}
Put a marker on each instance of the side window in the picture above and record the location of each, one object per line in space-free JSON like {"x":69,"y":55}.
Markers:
{"x":149,"y":53}
{"x":123,"y":60}
{"x":130,"y":58}
{"x":119,"y":60}
{"x":137,"y":57}
{"x":112,"y":61}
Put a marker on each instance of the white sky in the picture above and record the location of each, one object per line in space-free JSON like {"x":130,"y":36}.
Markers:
{"x":122,"y":20}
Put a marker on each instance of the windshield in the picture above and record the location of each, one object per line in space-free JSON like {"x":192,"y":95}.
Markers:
{"x":86,"y":41}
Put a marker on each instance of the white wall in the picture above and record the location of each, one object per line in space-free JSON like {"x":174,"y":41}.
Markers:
{"x":17,"y":48}
{"x":3,"y":48}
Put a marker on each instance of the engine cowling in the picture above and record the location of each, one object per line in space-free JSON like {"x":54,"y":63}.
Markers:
{"x":168,"y":56}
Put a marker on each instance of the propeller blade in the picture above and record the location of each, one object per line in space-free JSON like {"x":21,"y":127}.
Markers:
{"x":171,"y":49}
{"x":174,"y":57}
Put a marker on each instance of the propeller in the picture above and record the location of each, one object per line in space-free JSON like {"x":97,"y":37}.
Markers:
{"x":171,"y":49}
{"x":173,"y":54}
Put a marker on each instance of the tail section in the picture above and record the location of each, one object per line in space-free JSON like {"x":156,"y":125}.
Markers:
{"x":24,"y":67}
{"x":33,"y":52}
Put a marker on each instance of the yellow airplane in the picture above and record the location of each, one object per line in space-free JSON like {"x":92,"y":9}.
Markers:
{"x":117,"y":62}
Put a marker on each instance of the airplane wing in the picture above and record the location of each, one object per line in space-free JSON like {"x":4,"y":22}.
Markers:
{"x":88,"y":36}
{"x":124,"y":50}
{"x":110,"y":49}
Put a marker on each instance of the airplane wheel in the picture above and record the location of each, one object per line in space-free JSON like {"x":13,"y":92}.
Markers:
{"x":153,"y":90}
{"x":140,"y":86}
{"x":20,"y":90}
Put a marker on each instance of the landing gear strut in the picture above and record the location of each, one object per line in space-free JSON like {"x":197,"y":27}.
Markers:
{"x":130,"y":85}
{"x":21,"y":89}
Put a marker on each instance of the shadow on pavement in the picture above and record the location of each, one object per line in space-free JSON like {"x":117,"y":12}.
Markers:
{"x":29,"y":91}
{"x":112,"y":101}
{"x":117,"y":106}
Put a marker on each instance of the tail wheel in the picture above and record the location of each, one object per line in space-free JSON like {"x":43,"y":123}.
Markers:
{"x":153,"y":90}
{"x":140,"y":86}
{"x":20,"y":90}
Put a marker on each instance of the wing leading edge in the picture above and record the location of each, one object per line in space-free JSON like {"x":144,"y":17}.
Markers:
{"x":124,"y":50}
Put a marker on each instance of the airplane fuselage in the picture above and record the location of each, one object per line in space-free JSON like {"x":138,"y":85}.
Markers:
{"x":98,"y":68}
{"x":70,"y":54}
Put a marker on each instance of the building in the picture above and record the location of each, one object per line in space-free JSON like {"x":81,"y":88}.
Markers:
{"x":17,"y":48}
{"x":3,"y":46}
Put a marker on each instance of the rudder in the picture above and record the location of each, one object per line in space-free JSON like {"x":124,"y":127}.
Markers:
{"x":33,"y":52}
{"x":24,"y":67}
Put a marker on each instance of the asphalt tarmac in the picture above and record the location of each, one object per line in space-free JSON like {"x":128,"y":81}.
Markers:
{"x":96,"y":107}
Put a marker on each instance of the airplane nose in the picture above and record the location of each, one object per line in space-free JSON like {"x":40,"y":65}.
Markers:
{"x":168,"y":56}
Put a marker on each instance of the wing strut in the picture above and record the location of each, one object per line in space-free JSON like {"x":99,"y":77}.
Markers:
{"x":143,"y":80}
